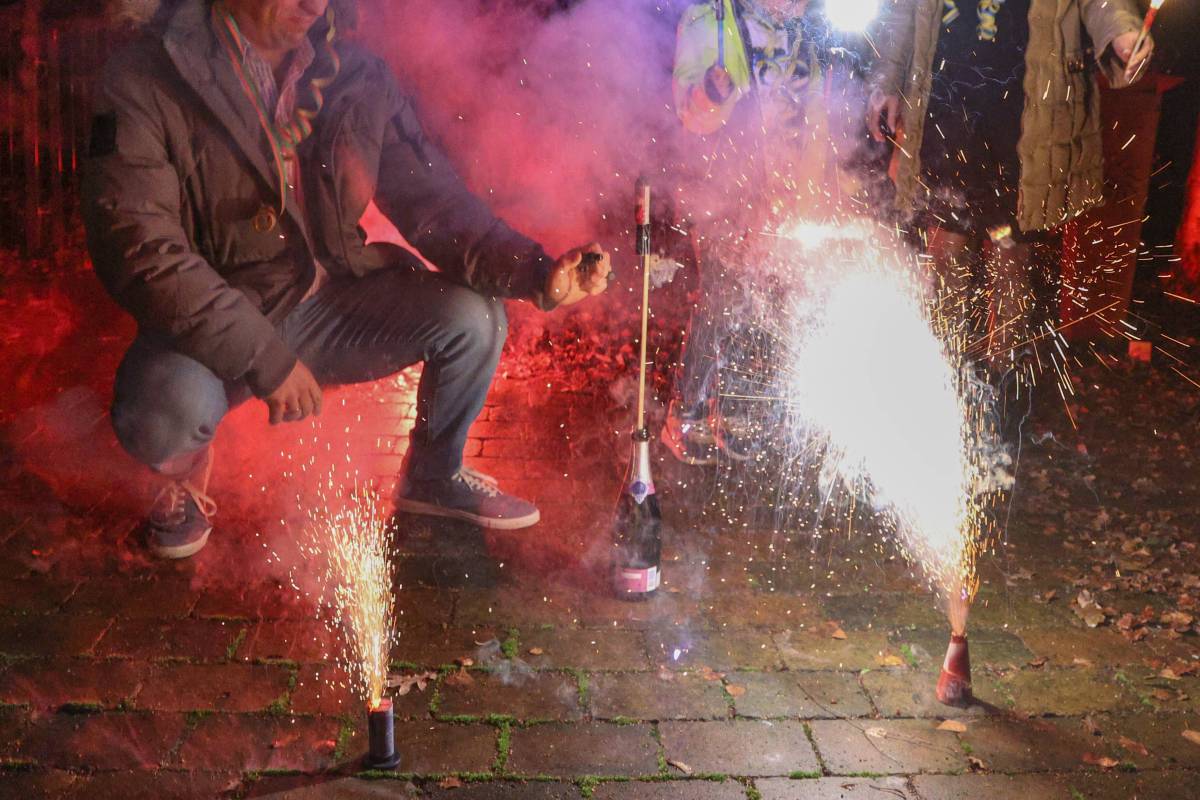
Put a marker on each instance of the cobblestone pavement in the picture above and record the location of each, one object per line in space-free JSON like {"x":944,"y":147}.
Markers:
{"x":771,"y":666}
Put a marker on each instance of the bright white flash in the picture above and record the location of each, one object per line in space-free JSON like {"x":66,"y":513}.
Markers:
{"x":874,"y":379}
{"x":853,"y":16}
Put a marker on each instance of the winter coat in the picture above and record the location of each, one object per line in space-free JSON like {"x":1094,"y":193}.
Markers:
{"x":1060,"y":147}
{"x":180,"y":167}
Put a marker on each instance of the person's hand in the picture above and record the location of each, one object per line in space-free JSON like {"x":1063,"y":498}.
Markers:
{"x":718,"y":83}
{"x":879,"y":106}
{"x":570,"y":281}
{"x":1123,"y":47}
{"x":298,"y":396}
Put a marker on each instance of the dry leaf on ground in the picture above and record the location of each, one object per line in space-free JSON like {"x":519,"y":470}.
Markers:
{"x":1132,"y":746}
{"x":460,"y":678}
{"x":952,"y":725}
{"x":450,"y":782}
{"x":1104,"y":762}
{"x":679,"y":765}
{"x":735,"y":690}
{"x":536,"y":651}
{"x":402,"y":684}
{"x":1192,"y":736}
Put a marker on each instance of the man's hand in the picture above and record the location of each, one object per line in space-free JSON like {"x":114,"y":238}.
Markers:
{"x":1123,"y":47}
{"x":880,"y":105}
{"x":570,"y":282}
{"x":296,"y":398}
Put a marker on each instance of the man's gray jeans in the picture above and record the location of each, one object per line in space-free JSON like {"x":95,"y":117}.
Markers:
{"x":167,"y":406}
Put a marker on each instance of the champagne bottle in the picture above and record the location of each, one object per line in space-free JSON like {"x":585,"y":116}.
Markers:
{"x":637,"y":537}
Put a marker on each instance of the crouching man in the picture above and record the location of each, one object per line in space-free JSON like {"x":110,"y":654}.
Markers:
{"x":235,"y":146}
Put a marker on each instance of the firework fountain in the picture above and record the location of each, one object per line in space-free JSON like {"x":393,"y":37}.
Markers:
{"x":345,"y":542}
{"x":876,"y":389}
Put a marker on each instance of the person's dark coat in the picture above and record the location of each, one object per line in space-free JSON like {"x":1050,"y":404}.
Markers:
{"x":180,"y":166}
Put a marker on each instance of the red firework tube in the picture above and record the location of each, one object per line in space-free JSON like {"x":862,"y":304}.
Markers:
{"x":954,"y":684}
{"x":642,"y":215}
{"x":381,"y":736}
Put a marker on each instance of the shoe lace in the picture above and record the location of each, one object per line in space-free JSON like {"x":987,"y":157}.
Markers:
{"x":172,"y":499}
{"x":479,"y":482}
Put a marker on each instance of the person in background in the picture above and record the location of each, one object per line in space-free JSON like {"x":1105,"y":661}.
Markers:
{"x":748,"y":81}
{"x":994,"y":112}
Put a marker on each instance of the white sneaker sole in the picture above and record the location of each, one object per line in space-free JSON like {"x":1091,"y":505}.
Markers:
{"x":182,"y":550}
{"x":493,"y":523}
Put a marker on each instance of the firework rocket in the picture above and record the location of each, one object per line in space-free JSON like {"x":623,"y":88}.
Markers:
{"x":637,"y":531}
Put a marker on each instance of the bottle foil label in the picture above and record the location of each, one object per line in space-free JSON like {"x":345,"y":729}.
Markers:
{"x":638,"y":581}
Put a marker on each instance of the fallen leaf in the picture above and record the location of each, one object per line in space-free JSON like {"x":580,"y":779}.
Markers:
{"x":876,"y":733}
{"x":1132,"y":746}
{"x":450,"y":782}
{"x":1192,"y":736}
{"x":1104,"y":762}
{"x":1081,"y":662}
{"x":460,"y":678}
{"x":1039,"y":662}
{"x":465,"y":662}
{"x":838,"y":634}
{"x":402,"y":684}
{"x":976,"y":763}
{"x":679,"y":765}
{"x":735,"y":690}
{"x":536,"y":651}
{"x":952,"y":725}
{"x":890,"y":660}
{"x":1161,"y":694}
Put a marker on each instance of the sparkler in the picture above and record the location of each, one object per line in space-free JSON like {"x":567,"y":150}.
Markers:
{"x":1148,"y":23}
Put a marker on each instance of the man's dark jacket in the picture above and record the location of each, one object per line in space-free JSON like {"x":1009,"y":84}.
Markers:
{"x":180,"y":166}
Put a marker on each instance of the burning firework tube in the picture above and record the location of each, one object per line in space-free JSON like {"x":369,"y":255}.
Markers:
{"x":1148,"y":23}
{"x":954,"y":684}
{"x":381,"y":736}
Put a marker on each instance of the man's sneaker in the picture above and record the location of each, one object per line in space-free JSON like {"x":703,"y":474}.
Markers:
{"x":689,"y":440}
{"x":181,"y":517}
{"x":469,"y":495}
{"x":737,"y":437}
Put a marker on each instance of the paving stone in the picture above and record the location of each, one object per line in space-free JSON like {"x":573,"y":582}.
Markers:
{"x":129,"y":598}
{"x":49,"y":636}
{"x":431,"y":646}
{"x":155,"y":785}
{"x":927,"y":647}
{"x":908,"y":693}
{"x":1172,"y":785}
{"x":265,"y":599}
{"x":808,"y":695}
{"x":326,"y":689}
{"x":665,"y":608}
{"x":506,"y":790}
{"x":724,"y":650}
{"x":772,"y":610}
{"x":198,"y":639}
{"x":326,"y":787}
{"x":212,"y":687}
{"x":434,"y":748}
{"x":1063,"y":645}
{"x":1161,"y":734}
{"x":740,"y":747}
{"x":886,"y":747}
{"x":303,"y":641}
{"x":1011,"y":745}
{"x":222,"y":742}
{"x":671,"y":790}
{"x":38,"y":594}
{"x":22,"y":783}
{"x":52,"y":683}
{"x":875,"y":609}
{"x":110,"y":741}
{"x":973,"y":787}
{"x":13,"y":723}
{"x":809,"y":650}
{"x":524,"y":695}
{"x":1054,"y":691}
{"x":583,"y":749}
{"x":834,"y":789}
{"x":592,"y":649}
{"x":646,"y":696}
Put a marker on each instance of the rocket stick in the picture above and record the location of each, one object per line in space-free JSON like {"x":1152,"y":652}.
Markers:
{"x":721,"y":33}
{"x":642,"y":214}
